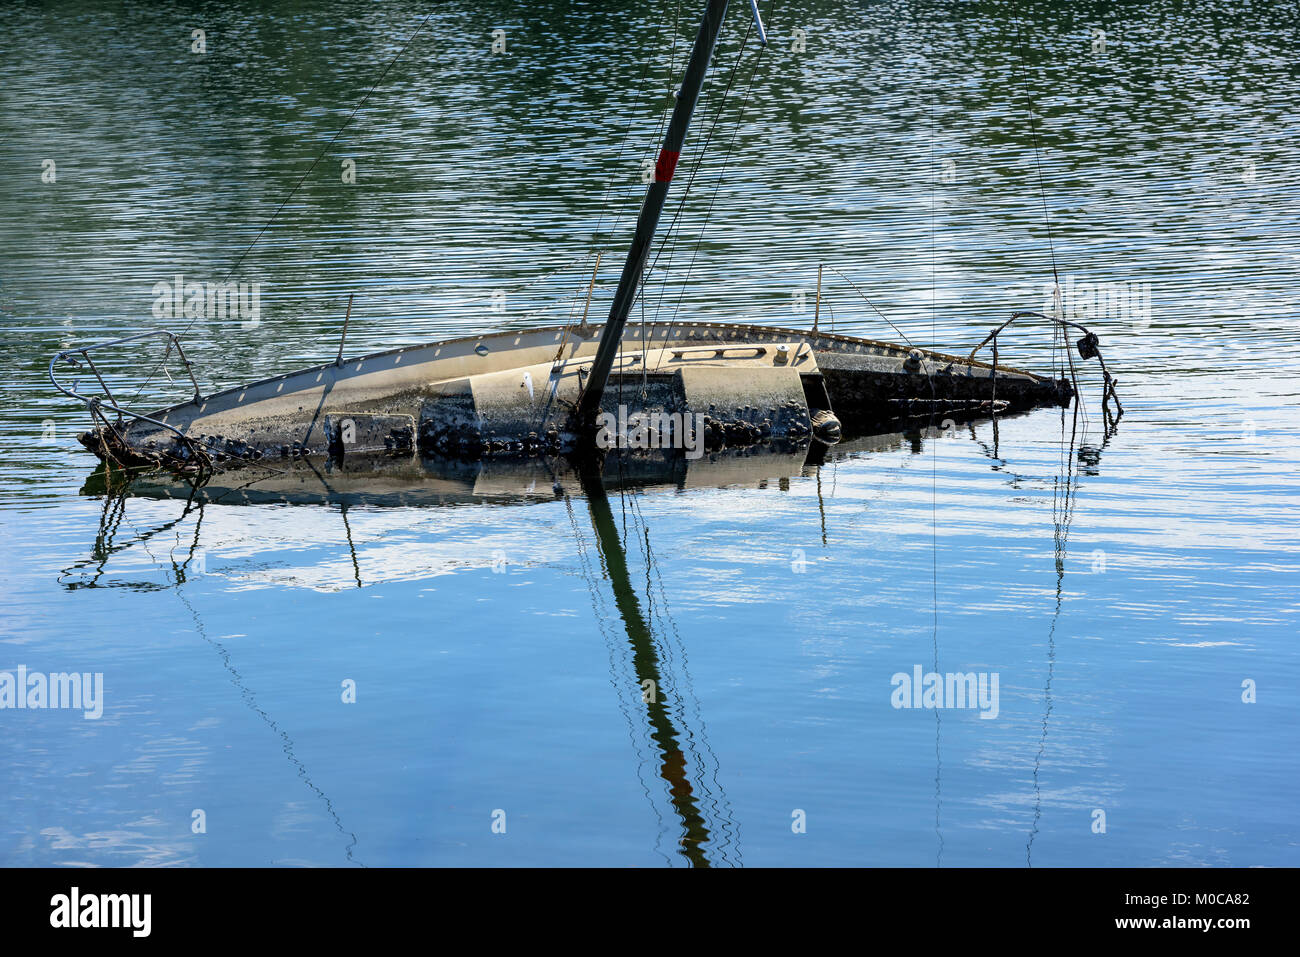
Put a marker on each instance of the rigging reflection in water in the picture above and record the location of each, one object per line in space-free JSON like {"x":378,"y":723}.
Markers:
{"x":1076,"y":457}
{"x":648,"y":662}
{"x":111,"y":518}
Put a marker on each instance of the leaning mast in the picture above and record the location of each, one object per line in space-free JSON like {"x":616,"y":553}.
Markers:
{"x":692,"y":83}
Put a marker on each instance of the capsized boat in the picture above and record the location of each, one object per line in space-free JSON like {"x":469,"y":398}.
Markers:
{"x":689,"y":386}
{"x":515,"y":393}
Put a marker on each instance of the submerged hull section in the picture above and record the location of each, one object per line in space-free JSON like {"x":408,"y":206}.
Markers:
{"x":431,"y":481}
{"x":514,"y":392}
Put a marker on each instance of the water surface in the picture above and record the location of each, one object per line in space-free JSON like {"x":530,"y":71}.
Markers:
{"x":1123,"y":584}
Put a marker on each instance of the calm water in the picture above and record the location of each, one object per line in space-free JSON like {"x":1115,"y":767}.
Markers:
{"x":1123,"y":587}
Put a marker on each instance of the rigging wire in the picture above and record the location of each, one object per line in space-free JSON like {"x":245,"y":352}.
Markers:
{"x":869,"y":303}
{"x":302,"y":179}
{"x":691,"y":179}
{"x":934,"y":480}
{"x":671,"y":234}
{"x":627,"y":128}
{"x":1059,"y":339}
{"x":758,"y":60}
{"x":1033,"y":135}
{"x":647,"y":151}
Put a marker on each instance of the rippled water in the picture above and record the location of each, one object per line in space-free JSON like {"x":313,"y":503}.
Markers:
{"x":1122,"y":586}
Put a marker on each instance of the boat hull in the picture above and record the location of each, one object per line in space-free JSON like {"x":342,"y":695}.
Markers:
{"x":395,"y":400}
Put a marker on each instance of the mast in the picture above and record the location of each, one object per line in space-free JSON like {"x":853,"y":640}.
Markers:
{"x":692,"y":82}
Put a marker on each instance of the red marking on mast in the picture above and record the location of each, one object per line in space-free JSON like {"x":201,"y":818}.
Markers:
{"x":665,"y":165}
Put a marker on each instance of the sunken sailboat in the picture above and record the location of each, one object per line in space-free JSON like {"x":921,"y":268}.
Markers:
{"x":692,"y":386}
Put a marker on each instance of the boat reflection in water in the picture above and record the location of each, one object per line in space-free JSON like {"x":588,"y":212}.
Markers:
{"x":648,"y":661}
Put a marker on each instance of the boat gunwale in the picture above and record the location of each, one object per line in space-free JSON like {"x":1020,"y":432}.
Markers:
{"x":746,"y":328}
